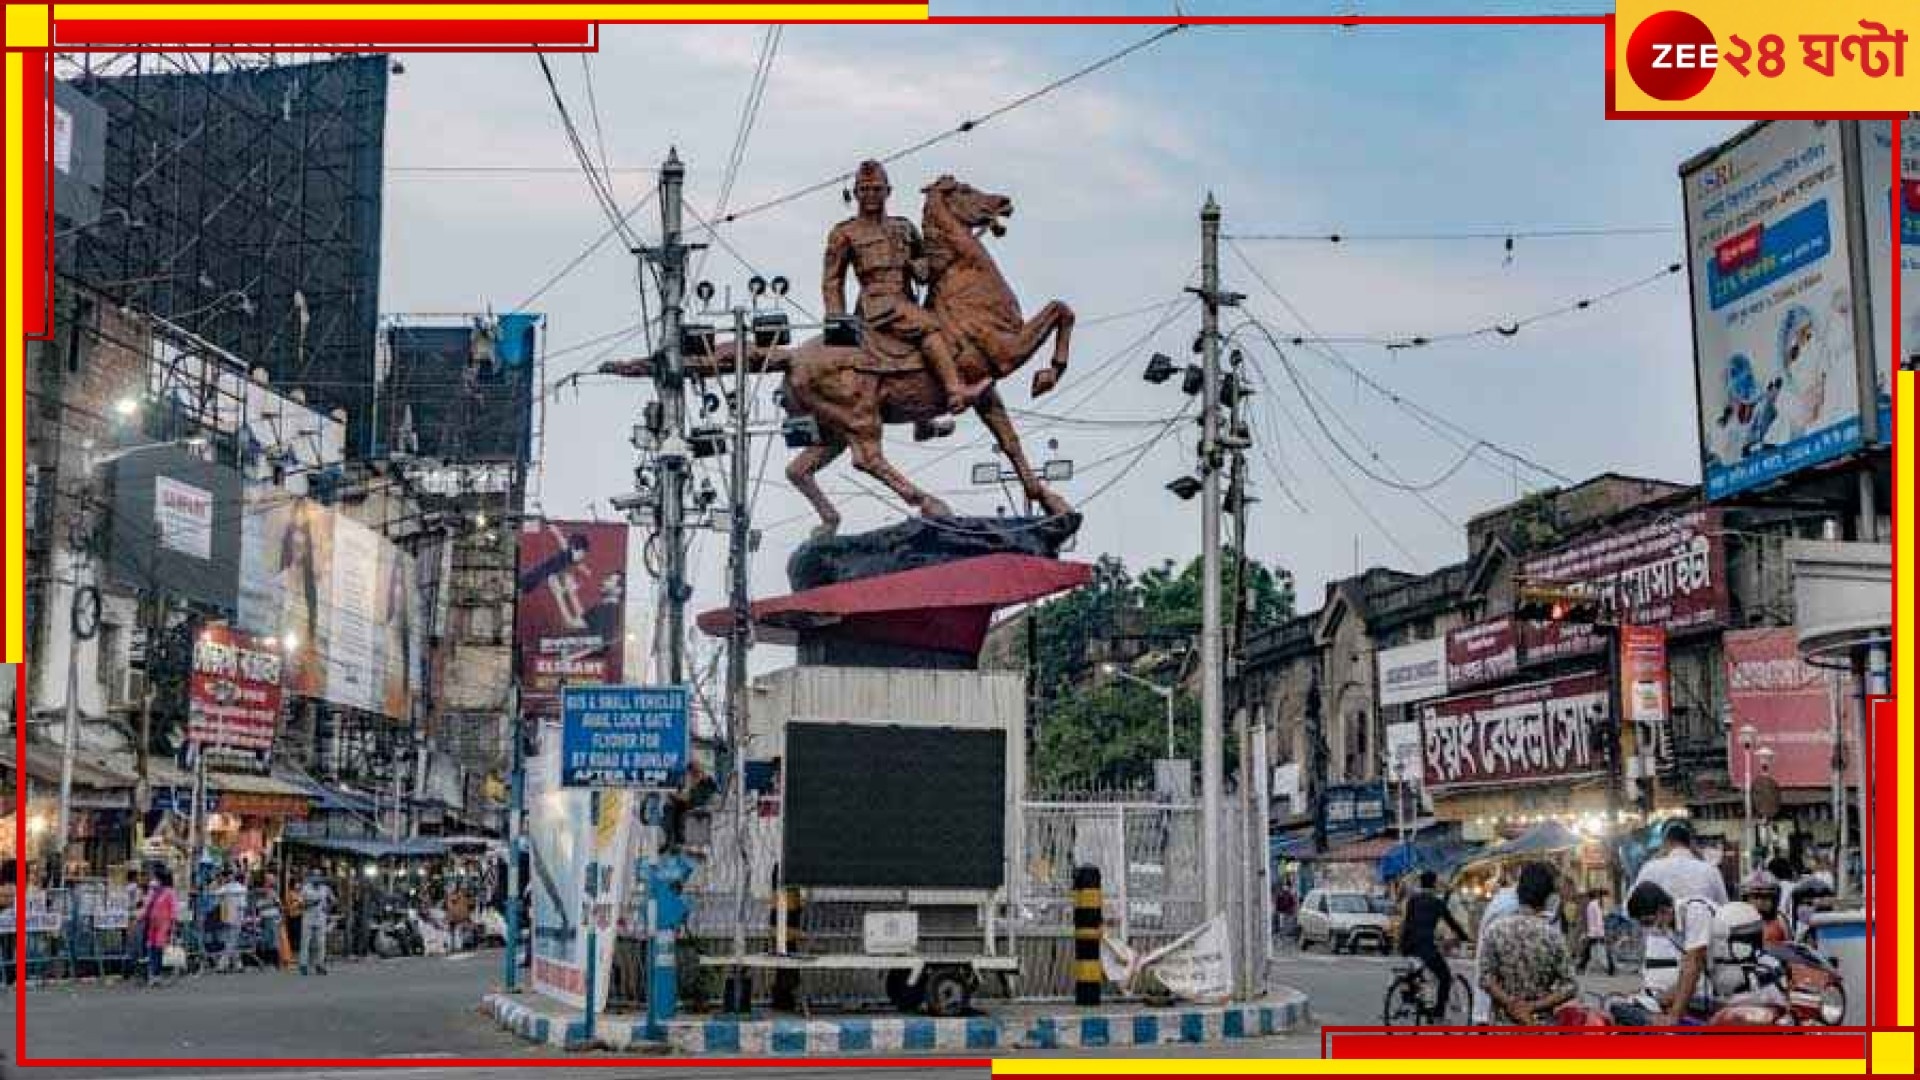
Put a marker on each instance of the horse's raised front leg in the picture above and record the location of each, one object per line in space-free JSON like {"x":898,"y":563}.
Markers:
{"x":868,"y":459}
{"x":993,"y":413}
{"x":1012,"y":349}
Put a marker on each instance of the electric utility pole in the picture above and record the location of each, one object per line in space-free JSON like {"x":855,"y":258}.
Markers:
{"x":670,"y":460}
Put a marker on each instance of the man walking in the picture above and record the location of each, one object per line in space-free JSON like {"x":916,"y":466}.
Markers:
{"x":316,"y":904}
{"x":230,"y":898}
{"x":1594,"y":922}
{"x":1419,"y":935}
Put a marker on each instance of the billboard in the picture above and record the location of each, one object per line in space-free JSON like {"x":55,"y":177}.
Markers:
{"x":1769,"y":266}
{"x":233,"y":698}
{"x":175,"y":526}
{"x":577,"y":843}
{"x":338,"y":597}
{"x":1413,"y":672}
{"x":1892,"y":203}
{"x":1347,"y":809}
{"x":1669,"y":573}
{"x":461,"y":393}
{"x":569,"y":623}
{"x":1789,"y":703}
{"x":1644,"y":695}
{"x":1544,"y":732}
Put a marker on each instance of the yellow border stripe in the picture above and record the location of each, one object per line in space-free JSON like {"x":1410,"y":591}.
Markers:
{"x":15,"y":349}
{"x":588,"y":12}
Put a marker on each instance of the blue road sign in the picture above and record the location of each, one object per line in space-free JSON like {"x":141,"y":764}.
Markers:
{"x":623,"y":736}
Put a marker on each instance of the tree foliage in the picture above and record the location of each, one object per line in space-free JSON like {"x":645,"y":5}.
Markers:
{"x":1099,"y":732}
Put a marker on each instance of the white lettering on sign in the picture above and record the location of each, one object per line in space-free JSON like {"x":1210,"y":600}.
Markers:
{"x":183,"y":517}
{"x":1535,"y":735}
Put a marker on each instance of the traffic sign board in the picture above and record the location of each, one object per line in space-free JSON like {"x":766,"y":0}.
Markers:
{"x":623,"y":736}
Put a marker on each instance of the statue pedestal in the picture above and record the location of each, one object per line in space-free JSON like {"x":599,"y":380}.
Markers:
{"x":920,"y":542}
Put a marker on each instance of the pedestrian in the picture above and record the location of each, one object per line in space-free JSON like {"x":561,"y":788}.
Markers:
{"x":1505,"y":902}
{"x":1285,"y":907}
{"x":161,"y":911}
{"x":1594,"y":927}
{"x":1525,"y":969}
{"x":316,"y":904}
{"x":230,"y":900}
{"x":1679,"y":871}
{"x":291,"y":915}
{"x":1420,"y":923}
{"x":1784,"y":872}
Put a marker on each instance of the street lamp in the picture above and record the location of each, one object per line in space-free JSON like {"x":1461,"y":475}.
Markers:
{"x":1165,"y":692}
{"x":1748,"y":737}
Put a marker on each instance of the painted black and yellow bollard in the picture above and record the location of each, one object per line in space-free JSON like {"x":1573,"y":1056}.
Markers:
{"x":786,"y":981}
{"x":1087,"y":975}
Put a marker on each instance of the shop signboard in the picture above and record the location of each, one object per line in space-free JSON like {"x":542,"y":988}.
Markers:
{"x":233,"y":698}
{"x":1543,"y":732}
{"x":1413,"y":672}
{"x":1349,"y":809}
{"x":1669,"y":572}
{"x":1789,"y":703}
{"x":569,"y":623}
{"x":1771,"y":261}
{"x":1485,"y":652}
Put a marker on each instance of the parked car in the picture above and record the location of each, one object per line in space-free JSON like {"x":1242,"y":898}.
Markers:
{"x":1346,"y":920}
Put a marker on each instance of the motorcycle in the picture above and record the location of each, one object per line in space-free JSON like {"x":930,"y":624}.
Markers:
{"x":1816,"y":993}
{"x":396,"y":932}
{"x":1764,"y":1004}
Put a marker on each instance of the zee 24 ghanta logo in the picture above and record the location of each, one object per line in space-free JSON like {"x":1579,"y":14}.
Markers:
{"x":1672,"y":55}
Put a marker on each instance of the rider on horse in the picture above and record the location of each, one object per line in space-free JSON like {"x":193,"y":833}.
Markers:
{"x":888,"y":259}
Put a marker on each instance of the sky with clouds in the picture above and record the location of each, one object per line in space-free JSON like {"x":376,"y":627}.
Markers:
{"x":1296,"y":130}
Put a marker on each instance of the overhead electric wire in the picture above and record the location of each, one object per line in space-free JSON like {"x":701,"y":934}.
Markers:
{"x":749,"y":112}
{"x":963,"y":128}
{"x":1443,"y":236}
{"x":1433,"y":421}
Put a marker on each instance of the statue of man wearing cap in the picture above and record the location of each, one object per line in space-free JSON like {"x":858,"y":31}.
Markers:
{"x":889,"y":260}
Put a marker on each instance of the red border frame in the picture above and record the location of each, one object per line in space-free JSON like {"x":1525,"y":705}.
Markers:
{"x":432,"y":36}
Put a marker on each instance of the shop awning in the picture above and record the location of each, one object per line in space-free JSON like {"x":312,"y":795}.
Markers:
{"x":326,"y":798}
{"x":421,"y":847}
{"x":1356,"y":851}
{"x":1545,"y":838}
{"x":43,"y":765}
{"x":1290,"y":847}
{"x":1439,"y":856}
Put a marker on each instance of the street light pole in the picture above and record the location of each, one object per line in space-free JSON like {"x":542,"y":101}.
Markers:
{"x":1211,"y":670}
{"x":1747,"y":734}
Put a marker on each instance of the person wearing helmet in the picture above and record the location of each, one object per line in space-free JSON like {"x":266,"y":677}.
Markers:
{"x":1762,"y":890}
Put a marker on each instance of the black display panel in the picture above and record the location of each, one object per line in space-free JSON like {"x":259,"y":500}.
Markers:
{"x":895,"y":807}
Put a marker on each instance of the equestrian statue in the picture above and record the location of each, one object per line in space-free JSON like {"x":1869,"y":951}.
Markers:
{"x":933,"y":331}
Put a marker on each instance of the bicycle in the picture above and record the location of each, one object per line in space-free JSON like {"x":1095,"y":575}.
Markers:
{"x":1411,"y":1003}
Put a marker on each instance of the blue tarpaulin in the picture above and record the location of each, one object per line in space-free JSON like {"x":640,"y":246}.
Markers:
{"x":1542,"y":839}
{"x":1439,"y":856}
{"x":515,"y":346}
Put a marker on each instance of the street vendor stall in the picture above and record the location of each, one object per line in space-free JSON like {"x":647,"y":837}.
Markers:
{"x":1549,"y":842}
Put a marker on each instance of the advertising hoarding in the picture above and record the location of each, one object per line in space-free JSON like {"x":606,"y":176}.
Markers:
{"x":1769,"y":266}
{"x":233,"y":698}
{"x":1892,"y":203}
{"x":1412,"y":672}
{"x":1544,"y":732}
{"x":1789,"y":703}
{"x":175,"y":526}
{"x":577,"y":842}
{"x":337,"y":596}
{"x":1347,"y":809}
{"x":569,"y":626}
{"x":1644,"y":694}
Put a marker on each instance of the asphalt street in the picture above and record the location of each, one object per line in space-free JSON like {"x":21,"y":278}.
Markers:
{"x":409,"y":1011}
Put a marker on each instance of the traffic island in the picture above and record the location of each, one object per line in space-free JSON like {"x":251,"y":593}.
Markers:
{"x":999,"y":1027}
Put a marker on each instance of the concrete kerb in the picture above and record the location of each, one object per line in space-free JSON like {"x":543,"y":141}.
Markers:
{"x":1051,"y":1028}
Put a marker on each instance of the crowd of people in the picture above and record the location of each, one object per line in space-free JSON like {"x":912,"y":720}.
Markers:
{"x":235,"y":919}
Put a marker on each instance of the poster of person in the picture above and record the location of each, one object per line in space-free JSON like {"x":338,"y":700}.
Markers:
{"x":572,"y":599}
{"x":354,"y":674}
{"x":1770,"y":266}
{"x":286,"y":582}
{"x":400,"y":626}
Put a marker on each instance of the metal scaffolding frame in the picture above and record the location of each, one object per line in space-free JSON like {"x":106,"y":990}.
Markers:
{"x":242,"y":203}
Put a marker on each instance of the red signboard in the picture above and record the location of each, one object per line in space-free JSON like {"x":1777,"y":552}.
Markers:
{"x":1790,"y":705}
{"x":1643,"y":690}
{"x":570,"y":624}
{"x":1670,"y":572}
{"x":1544,"y":731}
{"x":234,"y":698}
{"x":1482,"y":653}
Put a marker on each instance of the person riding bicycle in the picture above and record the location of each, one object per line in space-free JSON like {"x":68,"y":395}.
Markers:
{"x":1525,"y":968}
{"x":1420,"y":921}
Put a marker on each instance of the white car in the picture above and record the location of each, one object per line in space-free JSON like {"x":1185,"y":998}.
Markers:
{"x":1346,"y":921}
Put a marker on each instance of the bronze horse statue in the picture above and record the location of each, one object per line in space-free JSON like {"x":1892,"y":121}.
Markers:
{"x":853,"y":392}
